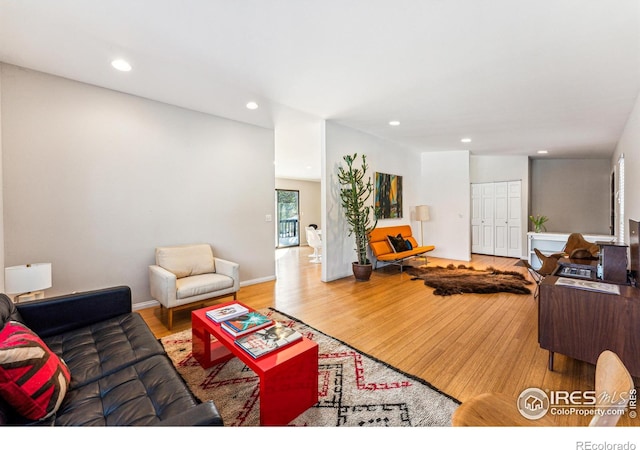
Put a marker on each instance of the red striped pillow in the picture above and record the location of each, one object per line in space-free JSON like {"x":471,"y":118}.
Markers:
{"x":33,"y":379}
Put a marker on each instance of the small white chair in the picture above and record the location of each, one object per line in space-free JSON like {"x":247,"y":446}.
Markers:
{"x":314,"y":241}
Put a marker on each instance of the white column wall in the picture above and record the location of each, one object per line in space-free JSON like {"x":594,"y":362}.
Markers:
{"x":446,"y":189}
{"x":382,"y":156}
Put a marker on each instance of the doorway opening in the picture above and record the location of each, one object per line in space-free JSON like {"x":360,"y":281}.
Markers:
{"x":287,"y":206}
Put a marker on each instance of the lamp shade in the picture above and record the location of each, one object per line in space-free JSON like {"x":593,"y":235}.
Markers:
{"x":422,"y":213}
{"x":27,"y":278}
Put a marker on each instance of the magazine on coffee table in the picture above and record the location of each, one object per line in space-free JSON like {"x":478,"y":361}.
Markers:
{"x":589,"y":285}
{"x":246,"y":323}
{"x":268,"y":339}
{"x":227,"y":312}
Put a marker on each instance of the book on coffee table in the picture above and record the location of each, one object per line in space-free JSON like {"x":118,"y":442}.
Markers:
{"x":227,"y":312}
{"x":246,"y":323}
{"x":268,"y":339}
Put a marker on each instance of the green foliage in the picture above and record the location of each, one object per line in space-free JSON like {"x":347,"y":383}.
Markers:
{"x":538,"y":223}
{"x":355,"y":193}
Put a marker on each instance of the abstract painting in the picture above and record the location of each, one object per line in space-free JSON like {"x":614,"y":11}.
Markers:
{"x":388,"y":196}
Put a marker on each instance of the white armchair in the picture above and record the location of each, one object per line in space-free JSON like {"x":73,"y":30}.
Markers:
{"x":184,"y":274}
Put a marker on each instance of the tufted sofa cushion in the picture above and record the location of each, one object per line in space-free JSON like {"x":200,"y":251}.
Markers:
{"x":120,"y":373}
{"x":186,"y":260}
{"x":97,"y":350}
{"x":137,"y":395}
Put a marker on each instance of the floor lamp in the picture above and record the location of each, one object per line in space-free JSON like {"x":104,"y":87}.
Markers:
{"x":422,"y":214}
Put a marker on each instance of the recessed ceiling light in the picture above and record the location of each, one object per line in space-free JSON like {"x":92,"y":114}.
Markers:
{"x":465,"y":140}
{"x":543,"y":152}
{"x":252,"y":105}
{"x":121,"y":65}
{"x":394,"y":123}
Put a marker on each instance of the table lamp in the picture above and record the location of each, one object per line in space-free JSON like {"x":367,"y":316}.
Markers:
{"x":27,"y":281}
{"x":422,"y":214}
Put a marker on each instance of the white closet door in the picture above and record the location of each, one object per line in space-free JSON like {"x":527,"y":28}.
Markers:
{"x":476,"y":218}
{"x":496,"y":224}
{"x":487,"y":212}
{"x":514,"y":244}
{"x":501,"y":219}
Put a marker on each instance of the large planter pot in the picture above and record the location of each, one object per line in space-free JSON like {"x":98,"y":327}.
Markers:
{"x":362,"y":272}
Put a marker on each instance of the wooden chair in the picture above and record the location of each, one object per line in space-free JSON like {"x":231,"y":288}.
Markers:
{"x":613,"y":385}
{"x":577,"y":247}
{"x":549,"y":262}
{"x":494,"y":409}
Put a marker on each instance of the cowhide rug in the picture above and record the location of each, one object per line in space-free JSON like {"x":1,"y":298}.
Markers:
{"x":461,"y":279}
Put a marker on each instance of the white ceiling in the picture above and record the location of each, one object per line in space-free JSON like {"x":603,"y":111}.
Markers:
{"x":516,"y":76}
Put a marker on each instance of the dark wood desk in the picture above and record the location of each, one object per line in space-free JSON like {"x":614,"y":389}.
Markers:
{"x":581,"y":324}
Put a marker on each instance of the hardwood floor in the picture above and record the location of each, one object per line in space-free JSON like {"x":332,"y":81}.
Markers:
{"x":464,"y":344}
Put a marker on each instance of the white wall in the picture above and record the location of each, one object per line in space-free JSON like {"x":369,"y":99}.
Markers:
{"x":94,"y":180}
{"x":382,"y":156}
{"x":298,"y":144}
{"x":446,"y":189}
{"x":629,"y":145}
{"x":487,"y":169}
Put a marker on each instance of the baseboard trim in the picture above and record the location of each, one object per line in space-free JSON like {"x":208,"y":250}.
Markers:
{"x":145,"y":305}
{"x":153,"y":303}
{"x":257,"y":281}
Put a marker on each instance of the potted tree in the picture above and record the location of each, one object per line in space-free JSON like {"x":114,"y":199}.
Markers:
{"x":355,"y":193}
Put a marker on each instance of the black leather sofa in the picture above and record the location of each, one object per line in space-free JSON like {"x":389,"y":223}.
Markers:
{"x":120,"y":373}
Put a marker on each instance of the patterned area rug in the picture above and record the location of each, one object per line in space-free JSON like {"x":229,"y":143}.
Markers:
{"x":460,"y":279}
{"x":354,"y":389}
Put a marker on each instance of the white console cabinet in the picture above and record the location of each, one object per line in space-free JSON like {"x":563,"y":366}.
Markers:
{"x":549,"y":243}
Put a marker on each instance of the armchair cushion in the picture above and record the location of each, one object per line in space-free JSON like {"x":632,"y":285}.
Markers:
{"x":186,"y":260}
{"x":202,"y":284}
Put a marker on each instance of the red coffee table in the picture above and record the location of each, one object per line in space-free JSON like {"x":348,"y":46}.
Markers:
{"x":288,"y":376}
